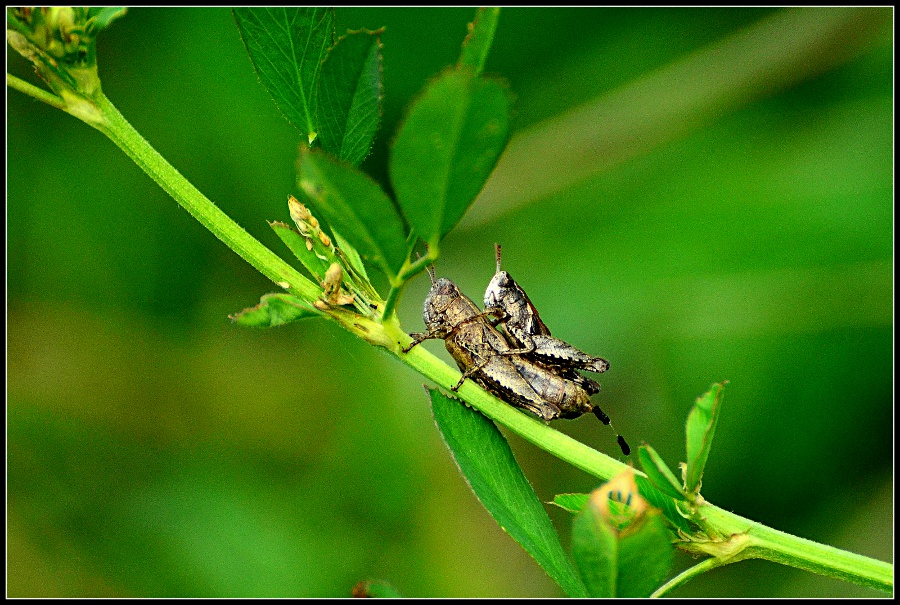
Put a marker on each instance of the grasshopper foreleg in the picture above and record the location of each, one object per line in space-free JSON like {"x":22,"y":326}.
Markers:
{"x":418,"y":338}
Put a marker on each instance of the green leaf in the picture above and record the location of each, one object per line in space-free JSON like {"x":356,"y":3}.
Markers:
{"x":477,"y":44}
{"x":659,"y":473}
{"x":663,"y":502}
{"x":621,"y":547}
{"x":350,"y":91}
{"x":274,"y":310}
{"x":287,"y":46}
{"x":594,"y":549}
{"x":700,"y":428}
{"x":487,"y":463}
{"x":570,"y":502}
{"x":446,"y":148}
{"x":355,"y":205}
{"x":351,"y":255}
{"x":298,"y":245}
{"x":645,"y":557}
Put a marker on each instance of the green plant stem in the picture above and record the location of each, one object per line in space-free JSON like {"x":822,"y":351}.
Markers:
{"x":407,"y":271}
{"x":755,"y":540}
{"x":687,"y":574}
{"x":777,"y":546}
{"x":117,"y":128}
{"x":537,"y":432}
{"x":33,"y":91}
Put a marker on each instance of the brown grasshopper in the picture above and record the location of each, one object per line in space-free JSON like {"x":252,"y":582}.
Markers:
{"x":508,"y":304}
{"x":484,"y":355}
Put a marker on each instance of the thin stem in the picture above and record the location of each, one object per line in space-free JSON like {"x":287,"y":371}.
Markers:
{"x":687,"y":574}
{"x":777,"y":546}
{"x":407,"y":272}
{"x":549,"y":439}
{"x":117,"y":128}
{"x":392,"y":298}
{"x":33,"y":91}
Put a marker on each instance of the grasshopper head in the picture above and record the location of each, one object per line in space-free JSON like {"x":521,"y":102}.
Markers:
{"x":501,"y":286}
{"x":437,"y":304}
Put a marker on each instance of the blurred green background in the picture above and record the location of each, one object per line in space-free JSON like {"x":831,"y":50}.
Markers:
{"x":155,"y":449}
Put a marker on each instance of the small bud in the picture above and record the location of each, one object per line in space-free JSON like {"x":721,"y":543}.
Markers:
{"x":319,"y":247}
{"x":301,"y":216}
{"x":298,"y":210}
{"x":61,"y":18}
{"x":20,"y":44}
{"x":333,"y":278}
{"x":333,"y":294}
{"x":61,"y":42}
{"x":619,"y":501}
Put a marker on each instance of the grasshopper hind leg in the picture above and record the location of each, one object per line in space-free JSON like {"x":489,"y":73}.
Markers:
{"x":592,"y":387}
{"x":602,"y":417}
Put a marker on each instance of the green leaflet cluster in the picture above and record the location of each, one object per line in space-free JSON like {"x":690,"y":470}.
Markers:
{"x":444,"y":151}
{"x":62,"y":42}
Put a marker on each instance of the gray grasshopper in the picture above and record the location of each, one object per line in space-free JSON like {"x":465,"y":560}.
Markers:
{"x":484,"y":355}
{"x":508,"y":304}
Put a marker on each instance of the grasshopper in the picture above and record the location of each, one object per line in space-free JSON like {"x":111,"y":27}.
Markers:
{"x":484,"y":355}
{"x":508,"y":304}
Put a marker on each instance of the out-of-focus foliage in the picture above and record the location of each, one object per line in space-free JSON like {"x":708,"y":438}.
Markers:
{"x":156,"y":449}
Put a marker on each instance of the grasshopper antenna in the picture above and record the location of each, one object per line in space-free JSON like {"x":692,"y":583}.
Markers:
{"x":429,"y":268}
{"x":601,"y":415}
{"x":497,"y":252}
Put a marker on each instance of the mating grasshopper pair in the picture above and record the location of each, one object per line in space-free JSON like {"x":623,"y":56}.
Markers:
{"x":527,"y":367}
